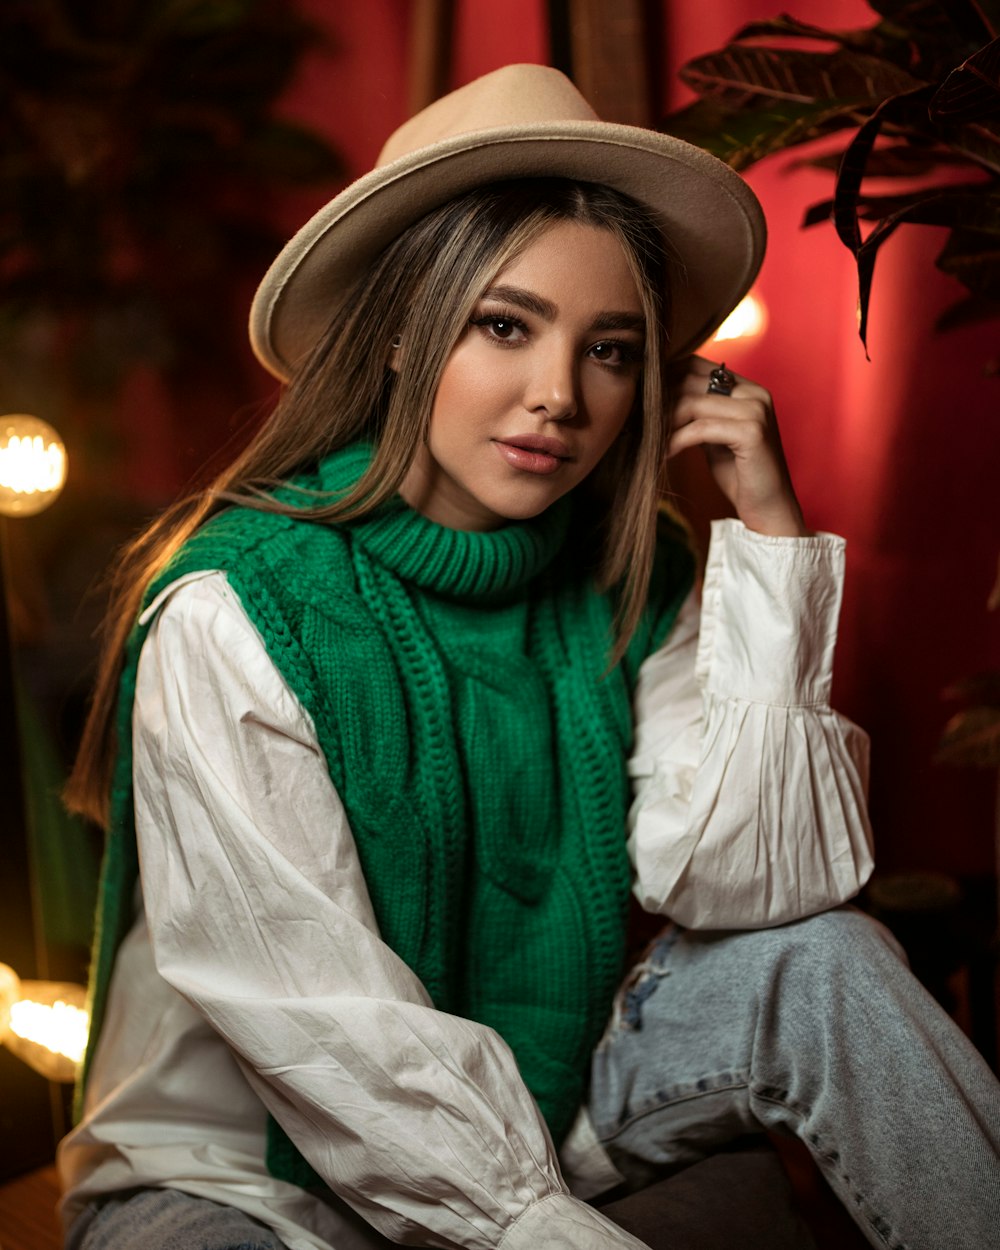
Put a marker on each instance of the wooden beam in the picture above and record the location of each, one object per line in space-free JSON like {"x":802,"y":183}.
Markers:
{"x":611,"y":58}
{"x":432,"y":24}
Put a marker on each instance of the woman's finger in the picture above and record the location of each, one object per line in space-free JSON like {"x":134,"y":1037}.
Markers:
{"x":742,"y":437}
{"x":696,"y":377}
{"x":688,"y":408}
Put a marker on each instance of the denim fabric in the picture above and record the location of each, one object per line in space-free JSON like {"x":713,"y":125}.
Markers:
{"x":816,"y":1028}
{"x":819,"y":1029}
{"x":166,"y":1219}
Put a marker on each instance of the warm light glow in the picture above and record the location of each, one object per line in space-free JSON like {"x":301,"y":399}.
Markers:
{"x":747,"y":320}
{"x":10,"y":992}
{"x":45,"y":1023}
{"x":61,"y":1027}
{"x":32,"y":464}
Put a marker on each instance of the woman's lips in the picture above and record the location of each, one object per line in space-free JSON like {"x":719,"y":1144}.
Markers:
{"x":533,"y":453}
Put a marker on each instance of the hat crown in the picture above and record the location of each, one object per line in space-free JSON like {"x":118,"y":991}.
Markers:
{"x":516,"y":95}
{"x":521,"y":121}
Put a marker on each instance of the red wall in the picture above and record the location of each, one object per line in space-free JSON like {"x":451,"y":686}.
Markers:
{"x":899,"y":454}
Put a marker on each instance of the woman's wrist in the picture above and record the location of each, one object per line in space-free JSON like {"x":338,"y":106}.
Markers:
{"x":783,"y":522}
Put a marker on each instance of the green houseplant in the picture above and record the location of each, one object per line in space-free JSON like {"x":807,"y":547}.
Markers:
{"x":916,"y":97}
{"x":140,"y":158}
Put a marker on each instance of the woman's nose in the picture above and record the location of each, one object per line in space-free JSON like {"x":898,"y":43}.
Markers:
{"x":552,"y":386}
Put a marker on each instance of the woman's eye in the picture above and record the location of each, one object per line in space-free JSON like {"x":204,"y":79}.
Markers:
{"x":613,"y":352}
{"x":501,"y":329}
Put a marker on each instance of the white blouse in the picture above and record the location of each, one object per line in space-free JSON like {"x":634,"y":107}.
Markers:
{"x":254,"y":977}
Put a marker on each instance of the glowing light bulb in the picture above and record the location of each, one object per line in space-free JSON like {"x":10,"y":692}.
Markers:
{"x":32,"y":464}
{"x":46,"y":1024}
{"x":747,"y":320}
{"x":59,"y":1027}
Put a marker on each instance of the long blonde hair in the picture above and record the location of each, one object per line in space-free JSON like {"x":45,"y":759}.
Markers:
{"x":423,"y":287}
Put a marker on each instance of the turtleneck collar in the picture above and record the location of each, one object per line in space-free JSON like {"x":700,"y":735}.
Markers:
{"x":452,"y":562}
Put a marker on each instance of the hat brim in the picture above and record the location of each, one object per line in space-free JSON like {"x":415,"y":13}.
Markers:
{"x":711,"y":219}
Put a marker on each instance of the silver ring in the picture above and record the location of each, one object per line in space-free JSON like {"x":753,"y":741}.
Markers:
{"x":721,"y":381}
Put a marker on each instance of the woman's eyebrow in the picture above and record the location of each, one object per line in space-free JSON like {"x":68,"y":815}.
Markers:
{"x":541,"y":307}
{"x":527,"y":300}
{"x":620,"y":321}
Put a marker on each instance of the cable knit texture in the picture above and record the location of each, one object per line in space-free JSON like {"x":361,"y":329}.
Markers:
{"x":457,"y":684}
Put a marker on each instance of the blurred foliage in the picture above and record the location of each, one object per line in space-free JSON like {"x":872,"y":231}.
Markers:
{"x":972,"y":736}
{"x":920,"y":92}
{"x":139,"y":156}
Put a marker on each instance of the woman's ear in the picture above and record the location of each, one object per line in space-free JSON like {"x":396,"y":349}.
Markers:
{"x":394,"y":349}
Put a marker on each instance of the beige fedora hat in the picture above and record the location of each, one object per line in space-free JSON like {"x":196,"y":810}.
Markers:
{"x":522,"y":121}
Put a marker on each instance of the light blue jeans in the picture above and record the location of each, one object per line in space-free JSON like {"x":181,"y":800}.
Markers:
{"x":815,"y":1028}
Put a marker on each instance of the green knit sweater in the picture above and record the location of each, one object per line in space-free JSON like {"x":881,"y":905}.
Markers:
{"x":457,"y":685}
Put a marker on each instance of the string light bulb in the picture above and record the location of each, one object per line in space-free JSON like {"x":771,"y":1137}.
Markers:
{"x":32,"y":464}
{"x":44,"y":1023}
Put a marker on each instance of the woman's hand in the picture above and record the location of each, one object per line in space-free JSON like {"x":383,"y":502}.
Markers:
{"x":739,"y":434}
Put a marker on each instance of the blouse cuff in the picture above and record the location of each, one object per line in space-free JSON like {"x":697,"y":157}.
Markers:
{"x":780,"y":599}
{"x":560,"y":1222}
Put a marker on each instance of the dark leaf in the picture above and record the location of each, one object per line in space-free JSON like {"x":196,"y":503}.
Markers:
{"x":848,"y":188}
{"x":855,"y":161}
{"x":816,"y":214}
{"x":937,"y":209}
{"x":979,"y":141}
{"x":972,"y":737}
{"x":972,"y":90}
{"x":786,"y":27}
{"x":741,"y":75}
{"x":973,"y":210}
{"x":740,"y":138}
{"x":967,"y":311}
{"x":952,"y":21}
{"x":882,"y":41}
{"x":897,"y":160}
{"x":822,"y":211}
{"x":973,"y":257}
{"x":878,"y":207}
{"x":947,"y":208}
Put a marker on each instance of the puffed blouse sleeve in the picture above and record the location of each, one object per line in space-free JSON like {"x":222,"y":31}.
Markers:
{"x":750,"y":791}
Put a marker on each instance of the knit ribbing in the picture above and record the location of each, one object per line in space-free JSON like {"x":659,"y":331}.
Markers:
{"x":458,"y":563}
{"x":458,"y":689}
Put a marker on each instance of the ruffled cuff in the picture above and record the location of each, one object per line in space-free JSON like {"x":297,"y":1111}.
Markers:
{"x":560,"y":1222}
{"x":780,"y":599}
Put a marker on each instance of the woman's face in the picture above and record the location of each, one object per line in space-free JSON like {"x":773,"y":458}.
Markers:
{"x":538,"y":386}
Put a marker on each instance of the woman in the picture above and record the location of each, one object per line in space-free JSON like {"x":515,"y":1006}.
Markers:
{"x":377,"y":722}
